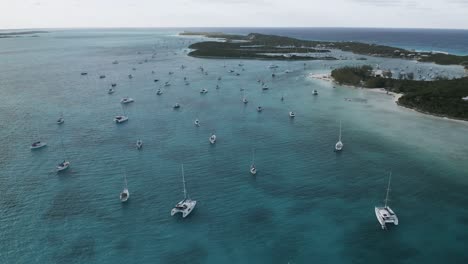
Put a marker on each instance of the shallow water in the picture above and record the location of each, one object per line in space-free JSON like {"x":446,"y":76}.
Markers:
{"x":306,"y":204}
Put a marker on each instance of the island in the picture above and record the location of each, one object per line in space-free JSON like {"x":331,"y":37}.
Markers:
{"x":261,"y":46}
{"x":21,"y":33}
{"x":440,"y":97}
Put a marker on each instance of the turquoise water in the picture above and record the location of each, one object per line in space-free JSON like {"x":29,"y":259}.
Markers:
{"x":307,"y":204}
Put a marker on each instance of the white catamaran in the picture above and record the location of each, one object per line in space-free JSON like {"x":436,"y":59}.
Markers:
{"x":385,"y":214}
{"x":186,"y":205}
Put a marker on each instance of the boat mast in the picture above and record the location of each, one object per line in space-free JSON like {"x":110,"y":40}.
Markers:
{"x":339,"y":139}
{"x":253,"y":156}
{"x":183,"y":181}
{"x":388,"y":189}
{"x":125,"y":179}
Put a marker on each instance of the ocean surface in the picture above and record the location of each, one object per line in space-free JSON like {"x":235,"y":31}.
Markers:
{"x":307,"y":204}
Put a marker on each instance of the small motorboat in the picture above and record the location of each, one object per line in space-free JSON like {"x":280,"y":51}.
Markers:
{"x":197,"y":122}
{"x":156,"y":80}
{"x":84,"y":73}
{"x":60,"y":121}
{"x":272,"y":66}
{"x":315,"y":92}
{"x":102,"y":76}
{"x":212,"y":138}
{"x":114,"y":85}
{"x":126,"y":100}
{"x":292,"y":114}
{"x":259,"y":108}
{"x":167,"y":84}
{"x":203,"y":91}
{"x":159,"y":92}
{"x":120,"y":119}
{"x":176,"y":106}
{"x":38,"y":145}
{"x":115,"y":62}
{"x":63,"y":166}
{"x":244,"y":100}
{"x":139,"y":144}
{"x":265,"y":87}
{"x":110,"y":91}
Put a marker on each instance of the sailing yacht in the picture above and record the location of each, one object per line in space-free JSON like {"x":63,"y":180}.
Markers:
{"x":159,"y":92}
{"x":61,"y":120}
{"x":197,"y":123}
{"x":259,"y":109}
{"x":63,"y":166}
{"x":253,"y":169}
{"x":110,"y":91}
{"x":124,"y":194}
{"x":139,"y":144}
{"x":203,"y":91}
{"x":186,"y":205}
{"x":339,"y":144}
{"x":385,"y":214}
{"x":292,"y":114}
{"x":38,"y":145}
{"x":126,"y":100}
{"x":213,"y":138}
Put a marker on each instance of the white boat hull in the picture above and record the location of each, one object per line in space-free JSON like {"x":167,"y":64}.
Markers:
{"x":189,"y":206}
{"x":63,"y":166}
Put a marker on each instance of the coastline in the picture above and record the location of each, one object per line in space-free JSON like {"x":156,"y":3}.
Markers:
{"x":396,"y":96}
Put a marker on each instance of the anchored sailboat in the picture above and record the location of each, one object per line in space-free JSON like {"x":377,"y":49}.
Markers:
{"x":186,"y":205}
{"x":124,"y":194}
{"x":339,"y":144}
{"x":253,"y":169}
{"x":385,"y":214}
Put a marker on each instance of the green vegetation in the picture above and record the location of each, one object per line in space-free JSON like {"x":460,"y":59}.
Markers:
{"x":269,"y":42}
{"x":439,"y":97}
{"x":255,"y":46}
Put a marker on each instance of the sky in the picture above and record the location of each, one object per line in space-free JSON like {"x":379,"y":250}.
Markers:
{"x":233,"y":13}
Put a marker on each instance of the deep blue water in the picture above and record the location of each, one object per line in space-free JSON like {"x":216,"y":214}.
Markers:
{"x":307,"y":204}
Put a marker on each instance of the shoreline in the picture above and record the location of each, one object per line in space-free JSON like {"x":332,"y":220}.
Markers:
{"x":396,"y":96}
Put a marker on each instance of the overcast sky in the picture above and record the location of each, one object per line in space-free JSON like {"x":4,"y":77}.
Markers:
{"x":233,"y":13}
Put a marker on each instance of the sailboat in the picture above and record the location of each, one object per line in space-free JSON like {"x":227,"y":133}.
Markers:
{"x":244,"y":99}
{"x":197,"y":122}
{"x":385,"y":214}
{"x":213,"y":138}
{"x":292,"y":114}
{"x":124,"y":194}
{"x":253,"y":169}
{"x":61,"y":120}
{"x":339,"y":144}
{"x":64,"y":164}
{"x":186,"y":205}
{"x":121,"y":118}
{"x":139,"y":144}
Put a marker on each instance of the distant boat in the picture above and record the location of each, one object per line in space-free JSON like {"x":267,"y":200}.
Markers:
{"x":166,"y":84}
{"x":130,"y":76}
{"x":339,"y":145}
{"x":159,"y":92}
{"x":212,"y":139}
{"x":126,"y":100}
{"x":176,"y":106}
{"x":265,"y":87}
{"x":244,"y":100}
{"x":253,"y":169}
{"x":385,"y":214}
{"x":186,"y":205}
{"x":139,"y":144}
{"x":292,"y":114}
{"x":110,"y":91}
{"x":120,"y":119}
{"x":38,"y":145}
{"x":124,"y":194}
{"x":315,"y":92}
{"x":63,"y":166}
{"x":61,"y":120}
{"x":102,"y":76}
{"x":156,"y":80}
{"x":203,"y":91}
{"x":272,"y":66}
{"x":114,"y":85}
{"x":115,"y":62}
{"x":259,"y":108}
{"x":84,"y":73}
{"x":197,"y":122}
